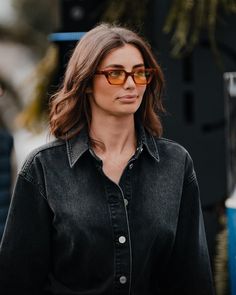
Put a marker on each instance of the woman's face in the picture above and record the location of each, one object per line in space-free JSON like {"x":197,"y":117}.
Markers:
{"x":118,"y":100}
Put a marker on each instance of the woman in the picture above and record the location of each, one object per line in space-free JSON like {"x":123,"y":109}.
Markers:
{"x":110,"y":207}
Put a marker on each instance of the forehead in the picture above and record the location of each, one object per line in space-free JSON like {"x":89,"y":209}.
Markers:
{"x":124,"y":56}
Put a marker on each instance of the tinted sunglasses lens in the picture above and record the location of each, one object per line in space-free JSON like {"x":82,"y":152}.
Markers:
{"x":116,"y":77}
{"x":143,"y":77}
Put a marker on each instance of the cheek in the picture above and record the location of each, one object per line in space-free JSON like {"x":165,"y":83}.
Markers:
{"x":103,"y":96}
{"x":142,"y":91}
{"x":102,"y":90}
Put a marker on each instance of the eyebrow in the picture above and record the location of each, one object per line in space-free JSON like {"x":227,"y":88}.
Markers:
{"x":120,"y":66}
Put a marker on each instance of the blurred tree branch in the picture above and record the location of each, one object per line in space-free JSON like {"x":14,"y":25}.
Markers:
{"x":126,"y":12}
{"x":188,"y":18}
{"x":37,"y":110}
{"x":26,"y":28}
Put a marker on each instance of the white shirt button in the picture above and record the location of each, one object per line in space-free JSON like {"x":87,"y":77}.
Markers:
{"x":122,"y":239}
{"x":131,"y":166}
{"x":123,"y":279}
{"x":140,"y":149}
{"x":126,"y":202}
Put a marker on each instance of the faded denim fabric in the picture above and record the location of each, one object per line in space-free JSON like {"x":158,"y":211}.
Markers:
{"x":71,"y":230}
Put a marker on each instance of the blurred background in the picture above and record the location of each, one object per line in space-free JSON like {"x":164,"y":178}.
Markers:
{"x":195,"y":44}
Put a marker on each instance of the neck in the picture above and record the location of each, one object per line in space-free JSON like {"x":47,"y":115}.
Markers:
{"x":117,"y":135}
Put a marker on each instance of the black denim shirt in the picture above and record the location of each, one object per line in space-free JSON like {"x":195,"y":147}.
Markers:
{"x":71,"y":230}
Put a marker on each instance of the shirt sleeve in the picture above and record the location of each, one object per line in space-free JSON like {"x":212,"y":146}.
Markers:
{"x":25,"y":247}
{"x":189,"y":270}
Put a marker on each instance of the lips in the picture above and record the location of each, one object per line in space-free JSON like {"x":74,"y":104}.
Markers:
{"x":128,"y":96}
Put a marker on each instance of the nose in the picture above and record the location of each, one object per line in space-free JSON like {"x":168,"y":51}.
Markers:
{"x":129,"y":83}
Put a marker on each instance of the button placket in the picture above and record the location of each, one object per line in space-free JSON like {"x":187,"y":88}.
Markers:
{"x":126,"y":202}
{"x":120,"y":227}
{"x":126,"y":184}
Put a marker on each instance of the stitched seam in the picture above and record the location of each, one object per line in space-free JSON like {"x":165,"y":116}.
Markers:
{"x":37,"y":151}
{"x":31,"y":180}
{"x":69,"y":151}
{"x":190,"y":178}
{"x":154,"y":142}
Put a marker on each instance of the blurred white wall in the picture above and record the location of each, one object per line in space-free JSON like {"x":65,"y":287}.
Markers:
{"x":25,"y":142}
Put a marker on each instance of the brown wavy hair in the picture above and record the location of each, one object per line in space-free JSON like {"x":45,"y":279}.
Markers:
{"x":70,"y":108}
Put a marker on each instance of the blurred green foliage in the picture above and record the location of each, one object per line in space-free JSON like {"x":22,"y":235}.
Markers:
{"x":187,"y":19}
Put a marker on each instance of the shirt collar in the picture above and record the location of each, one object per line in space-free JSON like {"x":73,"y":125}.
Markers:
{"x":148,"y":141}
{"x":79,"y":144}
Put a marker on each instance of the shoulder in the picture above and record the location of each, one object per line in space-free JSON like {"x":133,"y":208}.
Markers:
{"x":168,"y":147}
{"x":177,"y":154}
{"x":43,"y":154}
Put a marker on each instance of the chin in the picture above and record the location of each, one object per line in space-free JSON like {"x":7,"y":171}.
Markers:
{"x":128,"y":112}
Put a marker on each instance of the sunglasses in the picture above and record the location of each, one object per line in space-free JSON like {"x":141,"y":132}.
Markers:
{"x":119,"y":77}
